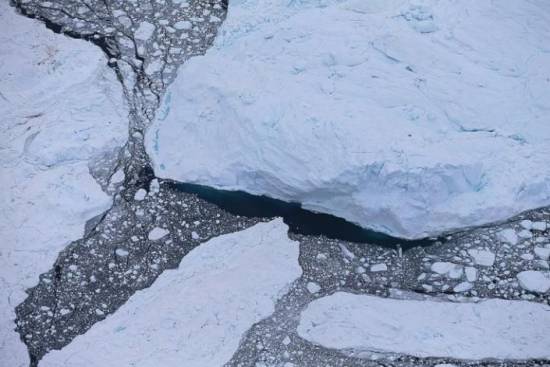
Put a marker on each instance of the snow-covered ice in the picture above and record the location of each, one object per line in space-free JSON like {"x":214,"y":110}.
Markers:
{"x":471,"y":273}
{"x":313,"y":287}
{"x":462,"y":287}
{"x":60,"y":105}
{"x":543,"y":252}
{"x":194,"y":316}
{"x":534,"y":281}
{"x":453,"y":271}
{"x":489,"y":329}
{"x":157,"y":233}
{"x":508,"y":235}
{"x":405,"y":119}
{"x":482,"y":257}
{"x":378,"y":267}
{"x":140,"y":195}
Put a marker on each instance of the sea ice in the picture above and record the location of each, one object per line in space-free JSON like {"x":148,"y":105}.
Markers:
{"x":484,"y":330}
{"x":482,"y":257}
{"x":157,"y":233}
{"x":61,"y":106}
{"x":534,"y":281}
{"x":195,"y":315}
{"x":407,"y":119}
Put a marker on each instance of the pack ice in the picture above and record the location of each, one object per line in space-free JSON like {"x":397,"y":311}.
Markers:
{"x":60,"y":106}
{"x":407,"y":117}
{"x":194,"y":316}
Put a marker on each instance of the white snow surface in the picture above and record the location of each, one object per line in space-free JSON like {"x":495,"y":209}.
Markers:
{"x":494,"y":328}
{"x":196,"y":315}
{"x":60,"y":105}
{"x":408,"y":117}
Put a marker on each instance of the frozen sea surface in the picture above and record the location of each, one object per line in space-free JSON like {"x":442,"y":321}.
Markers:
{"x":196,"y":315}
{"x":408,"y":119}
{"x":494,"y":328}
{"x":60,"y":106}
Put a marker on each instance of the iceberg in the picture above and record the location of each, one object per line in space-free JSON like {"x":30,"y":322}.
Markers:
{"x":410,"y":118}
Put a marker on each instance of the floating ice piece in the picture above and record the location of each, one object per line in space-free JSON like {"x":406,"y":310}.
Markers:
{"x":508,"y":235}
{"x":484,"y":330}
{"x":366,"y":118}
{"x":121,"y":252}
{"x":525,"y":233}
{"x":482,"y":257}
{"x":462,"y":287}
{"x":453,"y":271}
{"x":378,"y":267}
{"x":118,"y":176}
{"x":196,"y":314}
{"x":313,"y":287}
{"x":183,"y":24}
{"x":140,"y":194}
{"x":526,"y":224}
{"x":539,"y":226}
{"x":157,"y":233}
{"x":534,"y":281}
{"x":144,"y":31}
{"x":542,"y":252}
{"x":471,"y":273}
{"x":60,"y":106}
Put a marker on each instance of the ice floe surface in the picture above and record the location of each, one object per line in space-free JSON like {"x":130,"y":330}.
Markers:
{"x":406,"y":117}
{"x":494,"y":328}
{"x":194,"y":316}
{"x":60,"y":106}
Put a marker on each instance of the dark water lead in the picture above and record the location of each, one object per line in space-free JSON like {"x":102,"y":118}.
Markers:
{"x":299,"y":220}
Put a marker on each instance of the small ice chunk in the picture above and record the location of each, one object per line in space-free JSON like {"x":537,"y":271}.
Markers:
{"x":508,"y":235}
{"x":73,"y":267}
{"x":347,"y":253}
{"x":482,"y":257}
{"x":157,"y":233}
{"x":313,"y":287}
{"x":441,"y":267}
{"x":183,"y":24}
{"x":118,"y":176}
{"x":154,"y":187}
{"x":525,"y":233}
{"x":539,"y":226}
{"x":144,"y":31}
{"x":526,"y":224}
{"x":527,"y":256}
{"x":195,"y":235}
{"x":471,"y":273}
{"x":378,"y":267}
{"x":451,"y":270}
{"x":534,"y":281}
{"x":140,"y":194}
{"x":286,"y":340}
{"x":462,"y":287}
{"x":542,"y":252}
{"x":121,"y":252}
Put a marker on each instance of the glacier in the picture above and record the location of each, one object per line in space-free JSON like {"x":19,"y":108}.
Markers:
{"x":407,"y":117}
{"x":61,"y":106}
